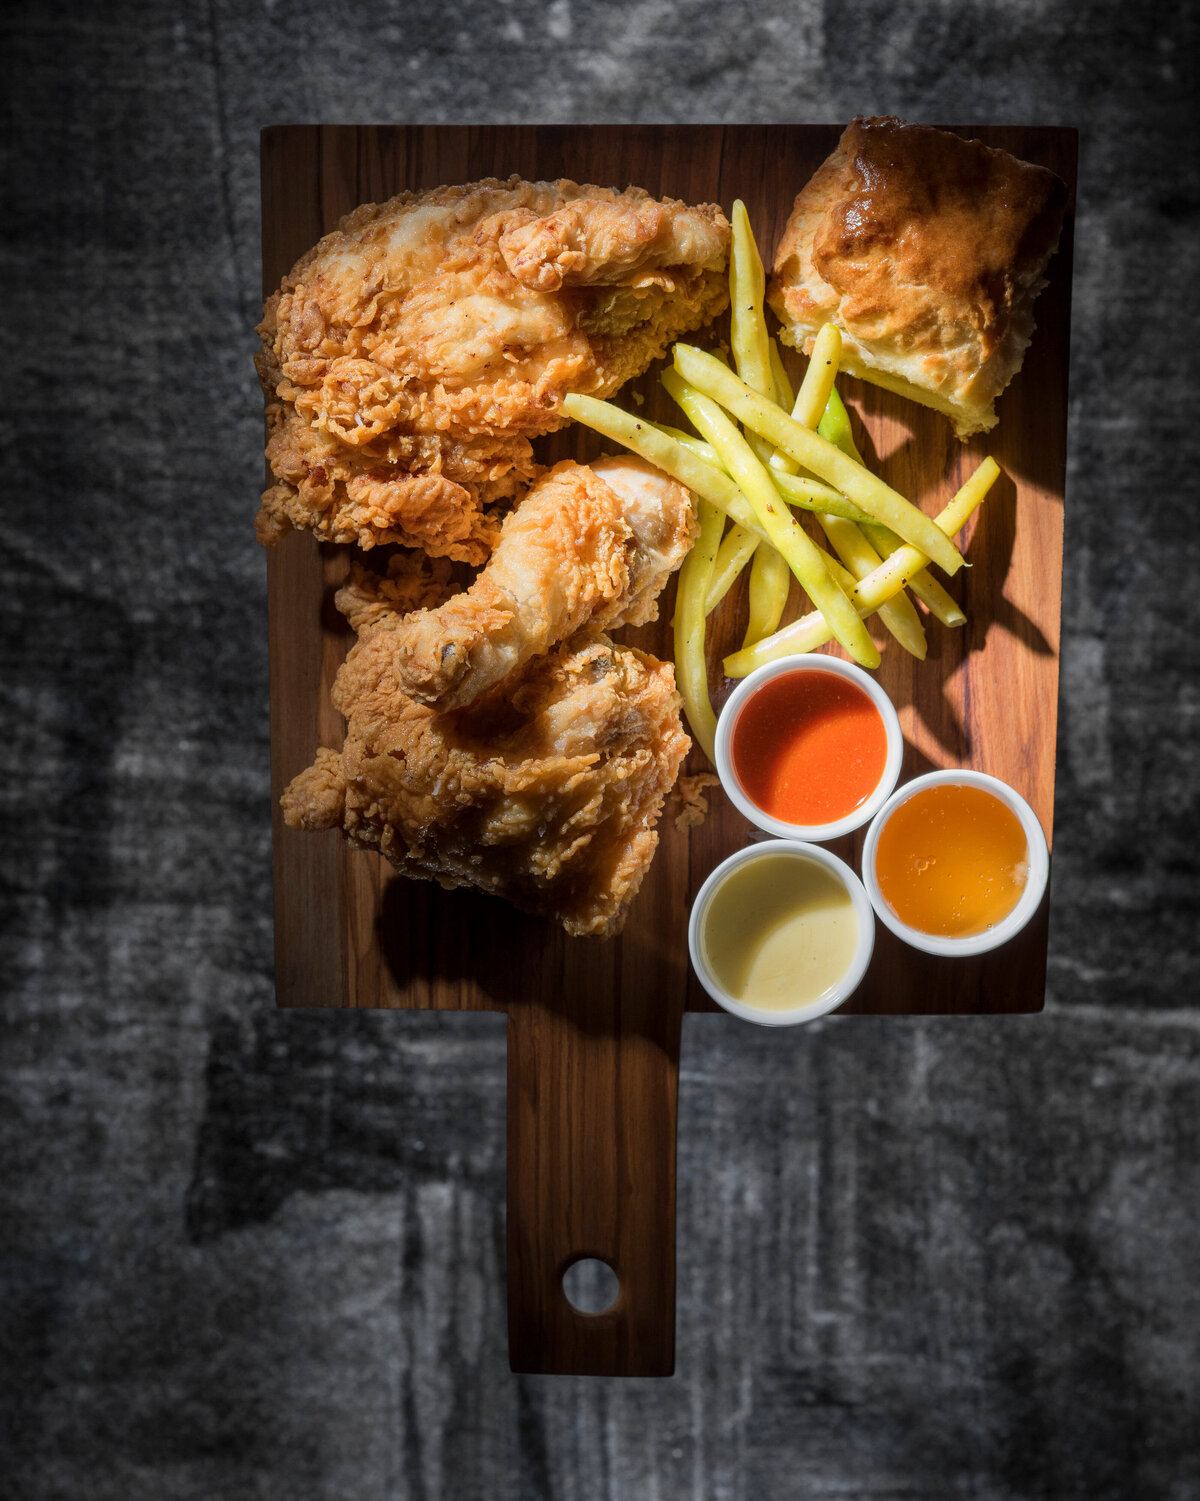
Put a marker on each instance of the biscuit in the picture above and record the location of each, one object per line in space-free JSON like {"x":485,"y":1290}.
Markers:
{"x":927,"y":251}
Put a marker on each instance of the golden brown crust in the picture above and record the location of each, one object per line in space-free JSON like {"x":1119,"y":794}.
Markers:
{"x":411,"y":581}
{"x":409,"y":358}
{"x":927,"y":251}
{"x":541,"y":771}
{"x":576,"y":552}
{"x":693,"y":797}
{"x":546,"y":791}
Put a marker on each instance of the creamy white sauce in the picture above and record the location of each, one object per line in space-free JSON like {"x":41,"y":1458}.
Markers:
{"x":779,"y":932}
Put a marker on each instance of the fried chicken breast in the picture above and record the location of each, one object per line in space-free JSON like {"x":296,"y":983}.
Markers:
{"x":545,"y":791}
{"x":410,"y":357}
{"x":589,"y":545}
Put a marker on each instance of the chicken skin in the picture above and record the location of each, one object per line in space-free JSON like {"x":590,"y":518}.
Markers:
{"x":545,"y":791}
{"x":589,"y":545}
{"x":410,"y":357}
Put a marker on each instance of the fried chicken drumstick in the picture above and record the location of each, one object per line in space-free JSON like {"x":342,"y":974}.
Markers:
{"x":545,"y":791}
{"x":411,"y":355}
{"x":589,"y":545}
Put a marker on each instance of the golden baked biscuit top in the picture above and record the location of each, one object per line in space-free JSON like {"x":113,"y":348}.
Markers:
{"x":927,"y":251}
{"x":924,"y":215}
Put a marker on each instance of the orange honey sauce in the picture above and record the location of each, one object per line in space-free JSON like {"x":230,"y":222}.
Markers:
{"x":952,"y":860}
{"x":809,"y":748}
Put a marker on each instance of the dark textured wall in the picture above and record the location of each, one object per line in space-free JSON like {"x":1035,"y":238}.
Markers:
{"x":252,"y":1255}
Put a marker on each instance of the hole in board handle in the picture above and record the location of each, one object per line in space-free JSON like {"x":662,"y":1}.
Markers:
{"x":590,"y":1285}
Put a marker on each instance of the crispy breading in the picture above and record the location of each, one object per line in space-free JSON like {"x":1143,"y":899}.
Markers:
{"x":693,"y":798}
{"x":413,"y":581}
{"x":587,"y":546}
{"x":411,"y":355}
{"x":545,"y":791}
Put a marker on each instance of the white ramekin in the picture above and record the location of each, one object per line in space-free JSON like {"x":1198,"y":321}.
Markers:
{"x":1027,"y":903}
{"x":748,"y":688}
{"x":828,"y":999}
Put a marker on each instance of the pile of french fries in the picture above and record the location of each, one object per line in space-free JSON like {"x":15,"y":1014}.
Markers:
{"x":789,"y":453}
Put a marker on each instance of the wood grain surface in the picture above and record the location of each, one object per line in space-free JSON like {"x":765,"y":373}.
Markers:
{"x":594,"y":1027}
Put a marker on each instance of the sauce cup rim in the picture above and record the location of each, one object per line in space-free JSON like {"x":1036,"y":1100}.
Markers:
{"x":828,"y":1000}
{"x":1027,"y":903}
{"x":723,"y":750}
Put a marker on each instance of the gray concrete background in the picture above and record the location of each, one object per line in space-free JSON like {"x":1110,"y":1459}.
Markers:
{"x":248,"y":1255}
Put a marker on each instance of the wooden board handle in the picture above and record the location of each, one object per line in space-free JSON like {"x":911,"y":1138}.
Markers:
{"x":592,"y":1088}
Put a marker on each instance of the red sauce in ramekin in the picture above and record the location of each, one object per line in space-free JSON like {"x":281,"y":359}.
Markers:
{"x":809,"y":748}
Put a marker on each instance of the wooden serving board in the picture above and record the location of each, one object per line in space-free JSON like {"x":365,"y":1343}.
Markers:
{"x":593,"y":1030}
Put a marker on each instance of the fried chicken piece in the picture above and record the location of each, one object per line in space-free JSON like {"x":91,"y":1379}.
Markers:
{"x":545,"y":791}
{"x":413,"y":581}
{"x":410,"y":356}
{"x":589,"y":545}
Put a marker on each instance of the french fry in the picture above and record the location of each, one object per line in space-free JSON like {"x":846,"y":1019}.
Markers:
{"x":835,"y":426}
{"x":812,"y":452}
{"x":785,"y":532}
{"x":811,"y":631}
{"x":691,"y":664}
